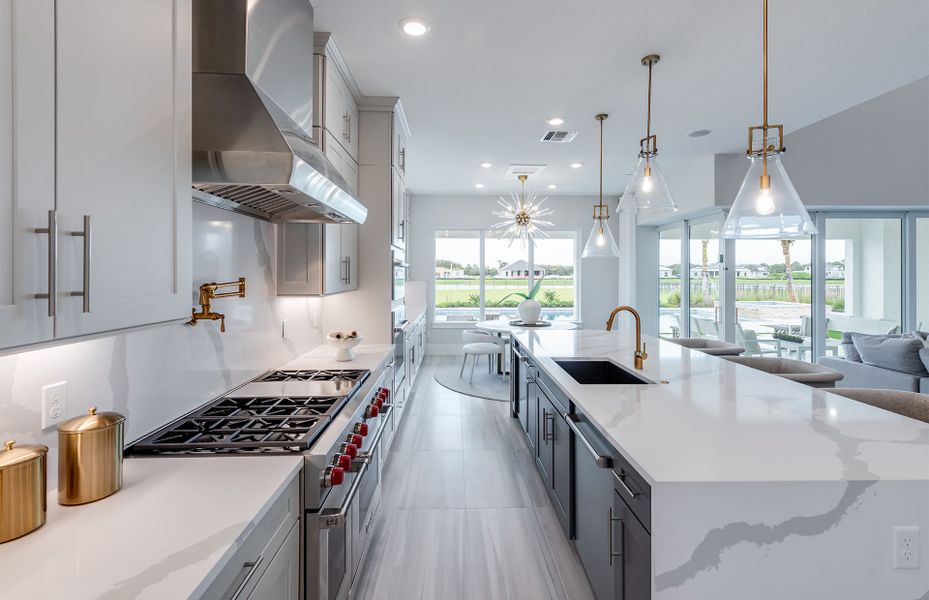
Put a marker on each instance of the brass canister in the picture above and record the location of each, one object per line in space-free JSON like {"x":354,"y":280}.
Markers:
{"x":22,"y":489}
{"x":90,"y":460}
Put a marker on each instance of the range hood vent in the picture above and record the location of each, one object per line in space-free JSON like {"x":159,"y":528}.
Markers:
{"x":253,"y":150}
{"x":557,"y":136}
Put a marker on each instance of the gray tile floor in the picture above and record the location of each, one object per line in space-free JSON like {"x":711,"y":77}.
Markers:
{"x":463,"y":513}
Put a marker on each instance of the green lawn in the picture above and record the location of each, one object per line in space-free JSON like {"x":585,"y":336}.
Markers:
{"x":494,"y":281}
{"x":462,"y":297}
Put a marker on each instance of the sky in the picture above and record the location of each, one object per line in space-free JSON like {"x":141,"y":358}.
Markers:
{"x":749,"y":252}
{"x":548,"y":251}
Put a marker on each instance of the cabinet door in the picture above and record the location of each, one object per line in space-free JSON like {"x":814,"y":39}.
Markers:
{"x":299,"y":249}
{"x":546,"y":418}
{"x":560,"y":437}
{"x":350,"y":256}
{"x":632,"y":553}
{"x":281,"y":579}
{"x":335,"y":104}
{"x":27,"y":185}
{"x":350,"y":173}
{"x":398,"y":147}
{"x":532,"y":412}
{"x":351,"y":122}
{"x":334,"y":264}
{"x":123,"y":159}
{"x":396,"y":209}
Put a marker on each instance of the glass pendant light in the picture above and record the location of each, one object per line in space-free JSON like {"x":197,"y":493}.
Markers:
{"x":648,"y":191}
{"x":767,"y":205}
{"x":600,"y":242}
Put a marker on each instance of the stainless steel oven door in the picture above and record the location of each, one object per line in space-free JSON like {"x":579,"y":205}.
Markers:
{"x":337,"y":535}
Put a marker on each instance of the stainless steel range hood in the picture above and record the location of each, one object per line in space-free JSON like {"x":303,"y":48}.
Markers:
{"x":253,"y":115}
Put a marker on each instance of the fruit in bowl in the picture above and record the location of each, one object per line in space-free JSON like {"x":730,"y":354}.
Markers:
{"x":343,"y":342}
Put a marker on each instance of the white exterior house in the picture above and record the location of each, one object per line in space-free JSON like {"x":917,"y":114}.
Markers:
{"x":712,"y":270}
{"x":517,"y":269}
{"x":665,"y":272}
{"x":835,"y":271}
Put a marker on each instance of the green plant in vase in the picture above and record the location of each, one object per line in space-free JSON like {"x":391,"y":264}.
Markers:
{"x":529,"y":309}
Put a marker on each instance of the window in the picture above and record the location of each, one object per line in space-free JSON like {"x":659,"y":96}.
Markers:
{"x":922,"y":274}
{"x":457,"y":276}
{"x":555,"y":257}
{"x":773,"y":297}
{"x":863,"y":278}
{"x":704,"y":280}
{"x":670,"y":275}
{"x":476,"y":271}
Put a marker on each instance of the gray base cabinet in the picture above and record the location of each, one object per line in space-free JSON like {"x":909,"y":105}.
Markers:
{"x":552,"y":446}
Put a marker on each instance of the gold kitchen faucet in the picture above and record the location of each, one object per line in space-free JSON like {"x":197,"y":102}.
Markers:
{"x":208,"y":294}
{"x":640,"y":353}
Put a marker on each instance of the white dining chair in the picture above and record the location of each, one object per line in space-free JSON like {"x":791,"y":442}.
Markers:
{"x":479,"y":343}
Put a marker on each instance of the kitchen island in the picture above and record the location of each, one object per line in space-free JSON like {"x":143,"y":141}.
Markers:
{"x":732,"y":483}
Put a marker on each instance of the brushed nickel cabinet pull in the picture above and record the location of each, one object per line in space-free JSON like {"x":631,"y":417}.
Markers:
{"x":609,"y":532}
{"x":619,"y":480}
{"x":252,"y":567}
{"x":85,"y":293}
{"x":52,"y":231}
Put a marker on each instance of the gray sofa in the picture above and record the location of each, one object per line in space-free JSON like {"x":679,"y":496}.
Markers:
{"x":861,"y":375}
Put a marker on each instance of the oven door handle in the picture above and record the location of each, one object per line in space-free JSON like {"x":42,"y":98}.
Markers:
{"x":330,"y":518}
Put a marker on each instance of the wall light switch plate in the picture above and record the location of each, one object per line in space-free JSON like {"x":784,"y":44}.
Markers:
{"x":906,"y":547}
{"x":54,"y":403}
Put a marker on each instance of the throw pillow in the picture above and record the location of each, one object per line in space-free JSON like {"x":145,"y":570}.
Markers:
{"x":848,"y":348}
{"x":894,"y":353}
{"x":924,"y":356}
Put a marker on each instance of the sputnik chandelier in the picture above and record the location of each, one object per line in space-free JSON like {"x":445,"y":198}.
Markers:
{"x":523,"y":216}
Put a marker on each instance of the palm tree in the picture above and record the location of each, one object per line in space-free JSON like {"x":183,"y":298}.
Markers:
{"x":705,"y":272}
{"x":789,"y":270}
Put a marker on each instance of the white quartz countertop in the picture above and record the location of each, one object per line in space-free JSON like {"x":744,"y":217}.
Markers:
{"x":367,"y":356}
{"x":166,"y":534}
{"x":716,"y":421}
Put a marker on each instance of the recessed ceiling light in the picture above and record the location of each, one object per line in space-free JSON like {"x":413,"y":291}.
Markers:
{"x":699,"y":133}
{"x":576,"y":165}
{"x":486,"y":165}
{"x":552,"y":186}
{"x":414,"y":26}
{"x":555,"y":121}
{"x":479,"y":185}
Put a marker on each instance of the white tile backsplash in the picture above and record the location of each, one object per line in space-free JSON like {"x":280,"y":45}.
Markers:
{"x":156,"y":373}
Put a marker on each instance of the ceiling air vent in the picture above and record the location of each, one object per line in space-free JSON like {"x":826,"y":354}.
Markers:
{"x":524,"y":169}
{"x":559,"y":136}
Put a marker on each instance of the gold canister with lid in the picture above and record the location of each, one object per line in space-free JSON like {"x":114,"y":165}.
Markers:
{"x":90,"y":461}
{"x":22,"y":489}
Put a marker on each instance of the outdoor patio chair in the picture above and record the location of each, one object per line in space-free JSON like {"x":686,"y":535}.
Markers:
{"x":748,"y":339}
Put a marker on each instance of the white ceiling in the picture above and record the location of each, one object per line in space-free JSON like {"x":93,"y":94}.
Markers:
{"x":480,"y":85}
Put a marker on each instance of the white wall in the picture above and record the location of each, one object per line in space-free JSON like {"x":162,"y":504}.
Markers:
{"x":871,"y":155}
{"x":157,"y":373}
{"x":598,"y":277}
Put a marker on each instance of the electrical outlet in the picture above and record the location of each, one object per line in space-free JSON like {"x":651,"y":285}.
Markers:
{"x":54,"y":403}
{"x":283,"y":328}
{"x":906,"y":547}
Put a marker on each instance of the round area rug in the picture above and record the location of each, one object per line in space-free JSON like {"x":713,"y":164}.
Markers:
{"x":489,"y":386}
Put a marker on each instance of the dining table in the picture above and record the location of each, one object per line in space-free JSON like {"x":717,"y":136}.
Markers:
{"x":505,"y":326}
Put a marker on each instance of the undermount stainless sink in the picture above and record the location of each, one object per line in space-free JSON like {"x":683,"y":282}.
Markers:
{"x":599,"y":371}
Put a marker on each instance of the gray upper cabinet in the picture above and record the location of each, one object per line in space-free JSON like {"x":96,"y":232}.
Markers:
{"x":398,"y":199}
{"x":27,"y":185}
{"x":335,"y":109}
{"x":103,"y":89}
{"x":317,"y":259}
{"x":398,"y":146}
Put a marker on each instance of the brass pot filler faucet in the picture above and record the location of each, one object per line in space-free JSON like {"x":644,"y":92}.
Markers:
{"x":208,"y":294}
{"x":640,"y":353}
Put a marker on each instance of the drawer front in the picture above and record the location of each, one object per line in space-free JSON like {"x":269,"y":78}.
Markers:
{"x":633,"y":489}
{"x":254,"y":555}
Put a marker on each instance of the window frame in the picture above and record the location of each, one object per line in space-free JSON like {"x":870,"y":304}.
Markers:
{"x":576,"y":233}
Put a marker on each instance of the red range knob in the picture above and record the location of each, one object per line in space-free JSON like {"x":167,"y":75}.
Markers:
{"x":332,"y":476}
{"x":371,"y":412}
{"x":354,"y":438}
{"x":378,"y":402}
{"x":384,"y":393}
{"x":361,"y":429}
{"x":343,"y":461}
{"x":349,"y":449}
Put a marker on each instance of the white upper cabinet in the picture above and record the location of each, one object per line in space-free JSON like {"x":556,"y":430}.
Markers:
{"x":336,"y":109}
{"x":95,"y":207}
{"x":123,"y":160}
{"x":27,"y":167}
{"x":398,"y":146}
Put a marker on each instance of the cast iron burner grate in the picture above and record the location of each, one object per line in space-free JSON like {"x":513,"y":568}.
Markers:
{"x":349,"y":375}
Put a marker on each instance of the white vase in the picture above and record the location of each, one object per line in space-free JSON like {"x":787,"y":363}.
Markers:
{"x":529,"y":311}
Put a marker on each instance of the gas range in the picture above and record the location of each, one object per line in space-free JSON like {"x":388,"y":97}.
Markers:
{"x":259,"y":417}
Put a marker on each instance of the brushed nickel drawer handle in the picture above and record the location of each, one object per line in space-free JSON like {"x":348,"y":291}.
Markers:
{"x":609,"y":532}
{"x":629,"y":491}
{"x":52,"y":231}
{"x":252,"y":567}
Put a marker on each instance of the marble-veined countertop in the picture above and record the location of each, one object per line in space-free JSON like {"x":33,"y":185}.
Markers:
{"x":166,"y":534}
{"x":716,"y":421}
{"x":172,"y":527}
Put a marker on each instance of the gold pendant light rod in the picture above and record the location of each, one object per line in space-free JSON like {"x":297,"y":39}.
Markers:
{"x":601,"y":210}
{"x":648,"y":146}
{"x":766,"y":148}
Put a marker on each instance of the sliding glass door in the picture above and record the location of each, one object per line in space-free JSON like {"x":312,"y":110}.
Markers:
{"x":863,"y":277}
{"x":922,"y":273}
{"x":670,"y":276}
{"x":704,"y":271}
